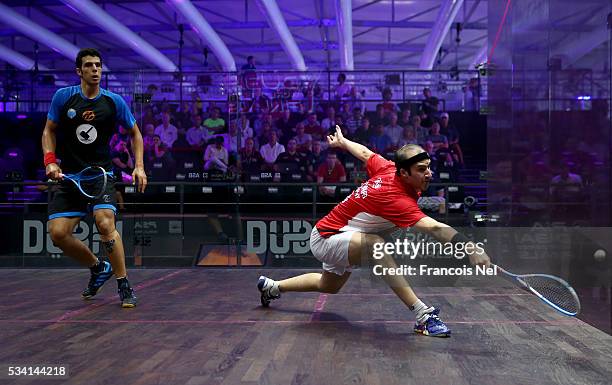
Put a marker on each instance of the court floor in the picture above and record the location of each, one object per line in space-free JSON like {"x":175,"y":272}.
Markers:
{"x":206,"y":326}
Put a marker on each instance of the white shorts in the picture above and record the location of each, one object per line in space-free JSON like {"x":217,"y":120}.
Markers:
{"x":332,"y":251}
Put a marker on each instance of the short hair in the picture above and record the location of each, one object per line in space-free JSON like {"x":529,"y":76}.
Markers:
{"x":405,"y":153}
{"x":219,"y":140}
{"x":86,"y":52}
{"x":250,"y":57}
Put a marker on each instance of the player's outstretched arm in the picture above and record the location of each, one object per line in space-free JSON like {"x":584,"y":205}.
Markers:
{"x":359,"y":151}
{"x":444,"y":233}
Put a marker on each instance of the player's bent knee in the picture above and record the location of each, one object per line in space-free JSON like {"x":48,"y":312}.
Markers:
{"x":59,"y":234}
{"x":105,"y":225}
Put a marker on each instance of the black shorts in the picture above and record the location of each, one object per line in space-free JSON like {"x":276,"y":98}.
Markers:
{"x":67,"y":201}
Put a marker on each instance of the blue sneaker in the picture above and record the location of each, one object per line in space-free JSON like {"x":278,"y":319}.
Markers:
{"x":266,"y":287}
{"x":433,"y":327}
{"x":97,"y":280}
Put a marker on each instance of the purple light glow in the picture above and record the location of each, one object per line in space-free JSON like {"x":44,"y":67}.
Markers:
{"x":21,"y":116}
{"x":13,"y":154}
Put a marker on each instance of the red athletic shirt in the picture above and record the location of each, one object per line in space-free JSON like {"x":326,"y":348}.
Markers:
{"x":380,"y":203}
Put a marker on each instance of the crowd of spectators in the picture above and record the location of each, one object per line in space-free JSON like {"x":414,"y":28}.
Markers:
{"x":262,"y":139}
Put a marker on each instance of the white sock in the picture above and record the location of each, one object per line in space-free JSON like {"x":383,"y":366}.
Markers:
{"x":421,"y":311}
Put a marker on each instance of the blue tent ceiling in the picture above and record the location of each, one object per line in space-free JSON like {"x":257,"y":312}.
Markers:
{"x":386,"y":33}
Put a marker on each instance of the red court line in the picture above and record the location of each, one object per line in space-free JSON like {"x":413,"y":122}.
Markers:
{"x":105,"y":301}
{"x":319,"y":306}
{"x":287,"y":322}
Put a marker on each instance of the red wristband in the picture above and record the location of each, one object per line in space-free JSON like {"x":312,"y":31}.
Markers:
{"x":50,"y":158}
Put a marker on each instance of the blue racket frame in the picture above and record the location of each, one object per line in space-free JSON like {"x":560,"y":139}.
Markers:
{"x":78,"y":177}
{"x":518,"y":278}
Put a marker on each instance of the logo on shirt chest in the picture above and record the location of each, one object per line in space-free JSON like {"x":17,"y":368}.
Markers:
{"x":86,"y":133}
{"x":88,"y":115}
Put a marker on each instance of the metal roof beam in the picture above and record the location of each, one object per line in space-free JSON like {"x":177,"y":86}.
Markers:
{"x":447,"y":14}
{"x":203,"y":29}
{"x":119,"y":31}
{"x":344,"y":17}
{"x":275,"y":18}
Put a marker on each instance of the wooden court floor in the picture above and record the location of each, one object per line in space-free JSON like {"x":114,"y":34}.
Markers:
{"x":205,"y":326}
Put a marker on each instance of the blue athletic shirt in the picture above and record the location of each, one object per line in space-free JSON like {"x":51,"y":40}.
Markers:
{"x":85,"y":126}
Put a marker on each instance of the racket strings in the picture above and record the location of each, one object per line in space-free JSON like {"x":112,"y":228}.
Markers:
{"x":92,"y":181}
{"x":555,"y":291}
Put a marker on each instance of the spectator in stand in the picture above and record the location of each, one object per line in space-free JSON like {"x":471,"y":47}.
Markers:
{"x":363,"y":133}
{"x":436,"y":138}
{"x":197,"y":135}
{"x":331,"y":171}
{"x":314,"y":158}
{"x":215,"y":122}
{"x":299,"y":115}
{"x":354,"y":122}
{"x":148,"y":142}
{"x":216,"y":156}
{"x":451,"y":132}
{"x":264,"y":136}
{"x":231,"y":144}
{"x":355,"y":100}
{"x":408,"y":137}
{"x":302,"y":139}
{"x":183,"y":116}
{"x":342,"y":89}
{"x":394,"y":130}
{"x":379,"y":117}
{"x":120,"y":135}
{"x":123,"y":162}
{"x":330,"y":119}
{"x":380,"y":142}
{"x":312,"y":127}
{"x":429,"y":106}
{"x":181,"y":149}
{"x":285,"y":127}
{"x":291,"y":161}
{"x":388,"y":105}
{"x":262,"y":119}
{"x":149,"y":117}
{"x":420,"y":132}
{"x":244,"y":125}
{"x":271,"y":150}
{"x":166,"y":131}
{"x":566,"y":186}
{"x":250,"y":159}
{"x":250,"y":65}
{"x":404,"y":119}
{"x":160,"y":151}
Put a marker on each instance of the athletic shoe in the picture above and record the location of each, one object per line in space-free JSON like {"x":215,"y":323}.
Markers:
{"x":265,"y":286}
{"x":433,"y":326}
{"x":126,"y":294}
{"x":97,"y":280}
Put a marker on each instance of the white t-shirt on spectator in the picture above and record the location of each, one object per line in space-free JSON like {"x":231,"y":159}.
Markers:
{"x":167,"y":135}
{"x":270,"y":153}
{"x":213,"y":152}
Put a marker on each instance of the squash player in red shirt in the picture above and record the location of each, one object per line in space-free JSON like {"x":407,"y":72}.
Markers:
{"x":386,"y":201}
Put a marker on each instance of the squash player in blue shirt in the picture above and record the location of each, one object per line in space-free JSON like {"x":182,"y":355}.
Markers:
{"x":84,"y":118}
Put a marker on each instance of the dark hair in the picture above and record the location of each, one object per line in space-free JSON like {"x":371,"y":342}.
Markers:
{"x":342,"y":76}
{"x":86,"y":52}
{"x":250,"y":57}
